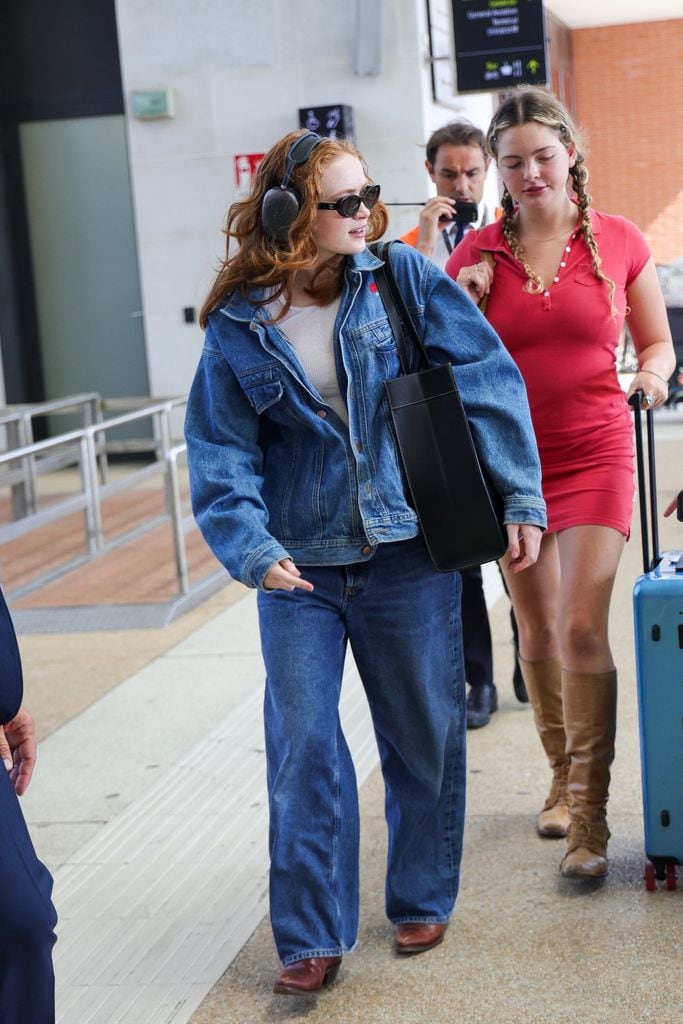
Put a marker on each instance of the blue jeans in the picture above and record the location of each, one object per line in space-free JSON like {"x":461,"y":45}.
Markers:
{"x":402,"y":619}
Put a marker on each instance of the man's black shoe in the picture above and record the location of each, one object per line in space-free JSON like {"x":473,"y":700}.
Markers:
{"x":519,"y":686}
{"x":482,"y":701}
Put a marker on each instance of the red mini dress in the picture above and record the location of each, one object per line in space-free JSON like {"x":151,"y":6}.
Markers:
{"x":564,"y":342}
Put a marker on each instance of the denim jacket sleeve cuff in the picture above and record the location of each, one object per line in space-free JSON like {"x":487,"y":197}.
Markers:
{"x":260,"y":561}
{"x":520,"y":508}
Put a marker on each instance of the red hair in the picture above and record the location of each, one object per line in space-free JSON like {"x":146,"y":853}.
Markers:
{"x":261,"y":262}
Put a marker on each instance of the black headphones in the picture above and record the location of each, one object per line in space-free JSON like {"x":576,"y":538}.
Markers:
{"x":280,"y":206}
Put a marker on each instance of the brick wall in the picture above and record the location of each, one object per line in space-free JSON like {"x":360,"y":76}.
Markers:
{"x":629,"y":101}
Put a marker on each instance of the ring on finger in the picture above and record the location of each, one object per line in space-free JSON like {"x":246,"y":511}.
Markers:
{"x":649,"y":399}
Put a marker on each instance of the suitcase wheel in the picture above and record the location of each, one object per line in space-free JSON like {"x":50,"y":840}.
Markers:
{"x":663,"y":870}
{"x":671,"y":876}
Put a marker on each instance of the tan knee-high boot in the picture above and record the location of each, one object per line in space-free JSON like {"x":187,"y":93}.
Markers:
{"x":590,"y":710}
{"x":543,"y":681}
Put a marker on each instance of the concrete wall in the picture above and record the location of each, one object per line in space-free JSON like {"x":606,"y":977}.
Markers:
{"x":239,"y":72}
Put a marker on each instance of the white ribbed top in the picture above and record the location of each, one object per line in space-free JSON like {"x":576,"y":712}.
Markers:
{"x":310,"y":331}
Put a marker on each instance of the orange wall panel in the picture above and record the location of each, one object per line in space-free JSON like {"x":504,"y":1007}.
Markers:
{"x":629,"y":102}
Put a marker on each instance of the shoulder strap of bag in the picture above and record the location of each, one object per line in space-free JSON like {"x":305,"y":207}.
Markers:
{"x":402,"y":325}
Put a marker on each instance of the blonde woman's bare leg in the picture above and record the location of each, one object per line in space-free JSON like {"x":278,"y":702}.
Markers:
{"x":535,"y":595}
{"x":589,"y":558}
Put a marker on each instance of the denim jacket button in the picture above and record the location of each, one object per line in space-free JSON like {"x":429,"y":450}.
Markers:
{"x":367,"y":550}
{"x":322,"y":414}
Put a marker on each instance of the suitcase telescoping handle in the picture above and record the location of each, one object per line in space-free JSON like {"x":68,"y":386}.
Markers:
{"x":634,"y":401}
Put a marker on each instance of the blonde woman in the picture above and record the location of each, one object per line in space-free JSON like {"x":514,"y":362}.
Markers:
{"x":560,"y":278}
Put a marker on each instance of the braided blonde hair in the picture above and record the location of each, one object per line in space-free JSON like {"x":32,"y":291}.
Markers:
{"x":530,"y":103}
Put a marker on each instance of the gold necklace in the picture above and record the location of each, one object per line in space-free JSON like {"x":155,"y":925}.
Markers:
{"x":562,"y":234}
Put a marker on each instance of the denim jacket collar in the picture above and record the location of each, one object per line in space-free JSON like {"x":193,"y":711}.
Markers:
{"x":238,"y":307}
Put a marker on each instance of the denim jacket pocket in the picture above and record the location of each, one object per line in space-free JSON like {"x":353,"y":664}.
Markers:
{"x":376,"y":347}
{"x":262,"y":388}
{"x":381,"y":336}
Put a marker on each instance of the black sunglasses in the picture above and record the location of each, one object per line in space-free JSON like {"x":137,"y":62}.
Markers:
{"x":348,"y":206}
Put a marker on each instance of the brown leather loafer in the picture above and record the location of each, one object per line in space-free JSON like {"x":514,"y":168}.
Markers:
{"x":306,"y":977}
{"x":418,"y":938}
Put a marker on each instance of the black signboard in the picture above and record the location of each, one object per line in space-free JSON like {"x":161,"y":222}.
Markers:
{"x":498,"y":44}
{"x":333,"y":122}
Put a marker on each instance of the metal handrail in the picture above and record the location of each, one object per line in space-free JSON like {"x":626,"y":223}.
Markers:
{"x":160,"y":413}
{"x":83,"y":444}
{"x":18,"y":421}
{"x":128,"y":404}
{"x":29,"y":410}
{"x":177,"y":520}
{"x":35,"y":447}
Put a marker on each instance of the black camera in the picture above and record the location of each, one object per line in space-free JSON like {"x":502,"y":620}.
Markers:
{"x":465,"y":211}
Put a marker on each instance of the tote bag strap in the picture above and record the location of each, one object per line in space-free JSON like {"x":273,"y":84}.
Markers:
{"x":402,"y":325}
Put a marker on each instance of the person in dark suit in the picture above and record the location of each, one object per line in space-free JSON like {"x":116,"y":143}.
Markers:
{"x":457,"y":163}
{"x":27,"y":914}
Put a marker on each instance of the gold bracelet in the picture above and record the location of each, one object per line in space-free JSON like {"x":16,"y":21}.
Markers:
{"x":654,"y":375}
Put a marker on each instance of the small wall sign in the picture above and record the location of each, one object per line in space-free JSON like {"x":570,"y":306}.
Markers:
{"x":498,"y":44}
{"x":333,"y":122}
{"x":152,"y":104}
{"x":246,"y":165}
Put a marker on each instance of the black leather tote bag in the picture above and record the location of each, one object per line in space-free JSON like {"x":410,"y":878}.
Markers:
{"x":460,"y":514}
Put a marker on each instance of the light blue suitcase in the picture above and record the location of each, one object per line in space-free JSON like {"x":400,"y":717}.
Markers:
{"x":658,"y":613}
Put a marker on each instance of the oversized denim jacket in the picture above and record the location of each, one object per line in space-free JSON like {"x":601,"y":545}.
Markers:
{"x":275,"y":473}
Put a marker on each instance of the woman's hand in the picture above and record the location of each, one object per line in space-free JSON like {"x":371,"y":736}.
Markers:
{"x":476,"y":280}
{"x":655,"y":389}
{"x":647,"y":320}
{"x":524,"y":544}
{"x":673,"y":505}
{"x":18,"y":749}
{"x":284,"y":575}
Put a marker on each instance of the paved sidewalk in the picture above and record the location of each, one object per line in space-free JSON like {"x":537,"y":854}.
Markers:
{"x":151,"y":743}
{"x":525,"y":946}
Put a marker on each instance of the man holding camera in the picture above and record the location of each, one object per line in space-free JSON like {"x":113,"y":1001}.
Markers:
{"x":457,"y":164}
